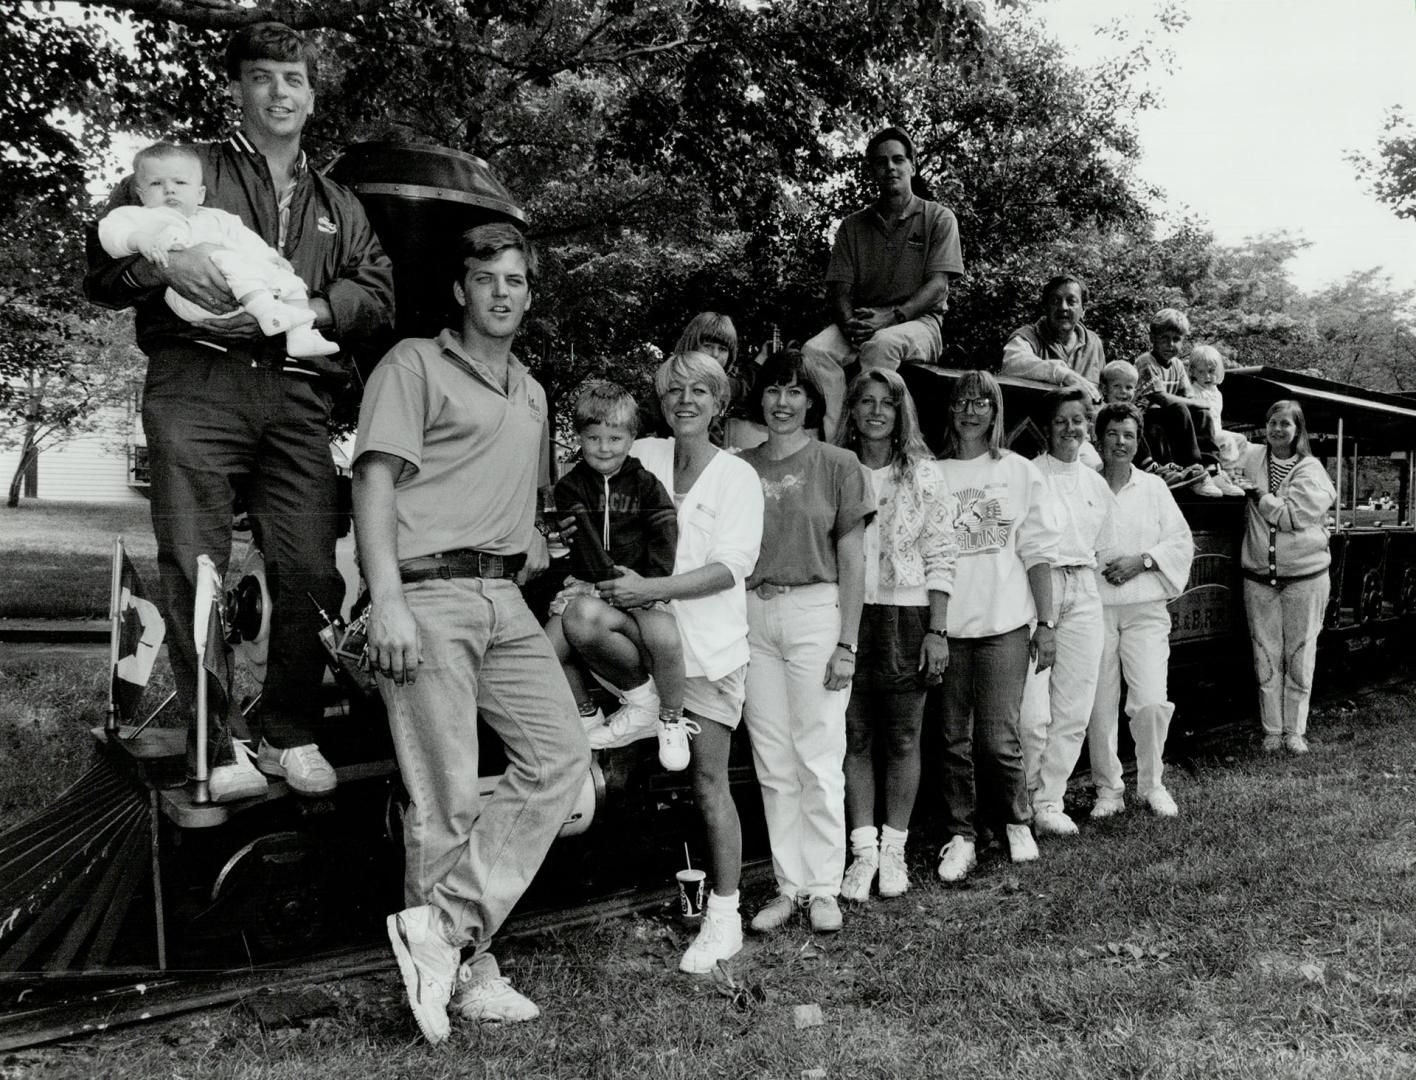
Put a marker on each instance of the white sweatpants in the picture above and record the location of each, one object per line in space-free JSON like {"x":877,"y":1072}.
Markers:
{"x":1284,"y":625}
{"x":1057,"y":703}
{"x":798,"y":733}
{"x":1136,"y":645}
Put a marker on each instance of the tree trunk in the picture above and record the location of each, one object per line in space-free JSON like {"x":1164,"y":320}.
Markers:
{"x":29,"y":460}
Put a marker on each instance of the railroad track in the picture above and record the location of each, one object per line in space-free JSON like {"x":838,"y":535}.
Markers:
{"x":40,"y":1008}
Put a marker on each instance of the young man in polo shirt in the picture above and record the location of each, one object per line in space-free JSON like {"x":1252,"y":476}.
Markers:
{"x":887,"y":283}
{"x":452,"y":440}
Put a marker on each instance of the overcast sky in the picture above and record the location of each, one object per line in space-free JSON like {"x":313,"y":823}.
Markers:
{"x":1265,"y":99}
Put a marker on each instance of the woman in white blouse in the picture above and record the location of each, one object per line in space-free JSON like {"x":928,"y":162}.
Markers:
{"x":1148,"y":566}
{"x":1057,"y":703}
{"x":719,"y":504}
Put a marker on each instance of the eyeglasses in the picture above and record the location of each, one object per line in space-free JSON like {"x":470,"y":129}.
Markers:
{"x":974,"y":405}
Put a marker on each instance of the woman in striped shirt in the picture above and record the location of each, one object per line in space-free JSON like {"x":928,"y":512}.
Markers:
{"x":1285,"y":560}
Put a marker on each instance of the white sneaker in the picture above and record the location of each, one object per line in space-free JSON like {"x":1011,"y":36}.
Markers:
{"x":304,"y":768}
{"x":239,"y":780}
{"x":894,"y":877}
{"x":1273,"y":744}
{"x":1107,"y":807}
{"x":775,"y":914}
{"x":956,"y":859}
{"x":492,"y":1001}
{"x":855,"y":886}
{"x":1161,"y":804}
{"x":1208,"y":488}
{"x":1021,"y":845}
{"x":673,"y":742}
{"x":590,"y":721}
{"x":1053,"y":823}
{"x":1295,"y":744}
{"x":428,"y":964}
{"x":627,"y":724}
{"x":720,"y":938}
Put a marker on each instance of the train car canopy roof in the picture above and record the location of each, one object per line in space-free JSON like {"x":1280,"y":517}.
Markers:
{"x":1379,"y":422}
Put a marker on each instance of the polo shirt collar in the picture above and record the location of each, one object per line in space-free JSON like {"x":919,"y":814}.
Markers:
{"x":239,"y":141}
{"x":913,"y":207}
{"x":451,"y":344}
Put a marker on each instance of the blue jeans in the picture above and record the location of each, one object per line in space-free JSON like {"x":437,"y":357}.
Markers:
{"x":482,"y":651}
{"x":978,"y":707}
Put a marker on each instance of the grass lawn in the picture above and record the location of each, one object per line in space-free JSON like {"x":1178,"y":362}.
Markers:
{"x":1270,"y":931}
{"x":55,"y":558}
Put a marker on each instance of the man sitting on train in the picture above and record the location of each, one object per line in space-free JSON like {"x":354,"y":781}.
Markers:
{"x":453,"y":440}
{"x":1057,"y":348}
{"x":888,"y":280}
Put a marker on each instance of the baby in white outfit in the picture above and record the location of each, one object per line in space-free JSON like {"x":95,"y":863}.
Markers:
{"x":168,"y":180}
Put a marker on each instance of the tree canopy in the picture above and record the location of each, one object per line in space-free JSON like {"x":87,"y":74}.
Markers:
{"x":676,"y":155}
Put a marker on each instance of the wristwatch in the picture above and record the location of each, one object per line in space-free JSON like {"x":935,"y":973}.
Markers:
{"x":1147,"y":561}
{"x":849,"y":648}
{"x":1051,"y":624}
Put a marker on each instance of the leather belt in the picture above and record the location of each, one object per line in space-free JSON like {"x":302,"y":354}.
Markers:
{"x":765,"y":590}
{"x":460,"y":563}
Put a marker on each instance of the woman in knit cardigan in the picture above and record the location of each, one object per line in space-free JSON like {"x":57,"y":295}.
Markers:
{"x":909,"y":574}
{"x":1285,"y":559}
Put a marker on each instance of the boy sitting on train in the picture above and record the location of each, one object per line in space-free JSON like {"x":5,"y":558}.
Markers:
{"x":1206,"y":373}
{"x":1174,"y":425}
{"x":636,"y":526}
{"x":1119,"y":383}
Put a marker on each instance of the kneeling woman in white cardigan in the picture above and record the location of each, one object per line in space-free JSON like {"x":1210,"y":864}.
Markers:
{"x":1149,"y":566}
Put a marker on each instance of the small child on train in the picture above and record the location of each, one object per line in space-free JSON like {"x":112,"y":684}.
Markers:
{"x":1206,"y":373}
{"x":1162,"y":391}
{"x":1119,"y":382}
{"x":636,"y":526}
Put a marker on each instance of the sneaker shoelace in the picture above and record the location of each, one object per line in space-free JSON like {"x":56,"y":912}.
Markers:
{"x":687,"y":725}
{"x":483,"y":987}
{"x":304,"y":757}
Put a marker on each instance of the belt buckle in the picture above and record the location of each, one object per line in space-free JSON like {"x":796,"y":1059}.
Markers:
{"x":490,"y":566}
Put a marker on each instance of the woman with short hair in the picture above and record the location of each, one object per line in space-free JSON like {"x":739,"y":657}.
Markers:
{"x":1147,"y":566}
{"x":1057,"y":703}
{"x":719,"y":504}
{"x":803,"y":615}
{"x":1285,"y":559}
{"x":1007,"y":537}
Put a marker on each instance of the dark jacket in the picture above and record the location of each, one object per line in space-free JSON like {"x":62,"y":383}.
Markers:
{"x":639,"y":531}
{"x":329,"y":242}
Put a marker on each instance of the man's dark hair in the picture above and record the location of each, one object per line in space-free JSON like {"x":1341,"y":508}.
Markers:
{"x":890,"y":134}
{"x":270,"y":41}
{"x":1060,"y":281}
{"x":486,"y":242}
